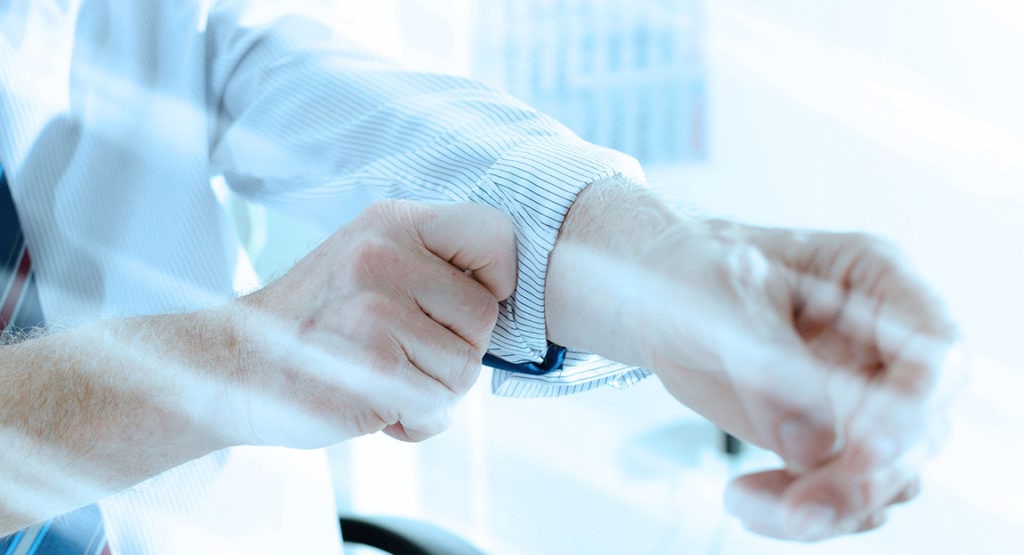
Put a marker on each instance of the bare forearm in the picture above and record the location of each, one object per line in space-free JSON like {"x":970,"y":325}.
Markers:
{"x":90,"y":411}
{"x":601,"y":244}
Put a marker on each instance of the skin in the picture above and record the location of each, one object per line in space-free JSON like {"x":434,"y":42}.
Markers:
{"x":383,"y":326}
{"x":825,"y":348}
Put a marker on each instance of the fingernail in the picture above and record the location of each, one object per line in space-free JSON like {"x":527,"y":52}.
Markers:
{"x":813,"y":521}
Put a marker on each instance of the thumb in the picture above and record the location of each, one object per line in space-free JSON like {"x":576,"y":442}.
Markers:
{"x":785,"y":393}
{"x":475,"y":238}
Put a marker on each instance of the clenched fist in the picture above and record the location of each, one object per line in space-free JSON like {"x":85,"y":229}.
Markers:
{"x":383,"y":326}
{"x":826,"y":348}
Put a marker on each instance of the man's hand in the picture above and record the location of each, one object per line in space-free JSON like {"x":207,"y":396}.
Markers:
{"x":383,"y":326}
{"x":825,"y":348}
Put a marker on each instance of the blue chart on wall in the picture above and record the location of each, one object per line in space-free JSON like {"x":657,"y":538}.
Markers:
{"x":627,"y":75}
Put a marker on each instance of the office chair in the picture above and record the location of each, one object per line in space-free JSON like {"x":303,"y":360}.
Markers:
{"x":403,"y":536}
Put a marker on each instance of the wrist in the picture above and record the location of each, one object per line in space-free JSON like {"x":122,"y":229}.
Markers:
{"x":623,"y":255}
{"x":235,"y":350}
{"x":200,"y":363}
{"x":596,"y":267}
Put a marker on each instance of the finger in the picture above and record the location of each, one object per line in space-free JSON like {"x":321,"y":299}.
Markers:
{"x":908,"y":367}
{"x":821,"y":314}
{"x":873,"y":521}
{"x":848,"y":496}
{"x":885,"y":303}
{"x":895,"y":423}
{"x":474,"y":238}
{"x":397,"y":393}
{"x":456,"y":301}
{"x":415,"y":433}
{"x":909,"y":493}
{"x":815,"y":505}
{"x":423,"y":407}
{"x":784,"y":393}
{"x":816,"y":305}
{"x":888,"y":418}
{"x":401,"y":433}
{"x":439,"y":353}
{"x":757,"y":501}
{"x":921,"y":362}
{"x":398,"y":432}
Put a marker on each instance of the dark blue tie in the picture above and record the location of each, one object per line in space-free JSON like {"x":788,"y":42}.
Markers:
{"x":81,"y":531}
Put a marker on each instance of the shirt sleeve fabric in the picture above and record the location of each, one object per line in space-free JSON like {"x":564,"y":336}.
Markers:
{"x":319,"y":127}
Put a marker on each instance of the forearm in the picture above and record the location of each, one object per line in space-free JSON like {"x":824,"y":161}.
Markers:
{"x":592,"y":271}
{"x":89,"y":411}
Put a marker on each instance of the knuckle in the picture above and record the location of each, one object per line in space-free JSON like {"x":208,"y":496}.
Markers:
{"x":490,"y":225}
{"x":389,"y":218}
{"x":483,"y":316}
{"x":443,"y":416}
{"x":383,"y":209}
{"x":744,"y":268}
{"x":384,"y":358}
{"x":480,"y":212}
{"x":876,"y":245}
{"x":374,"y":421}
{"x":476,"y":315}
{"x":447,"y":392}
{"x":490,"y":312}
{"x":486,"y":316}
{"x":430,"y":420}
{"x":381,"y":360}
{"x":503,"y":231}
{"x":371,"y":311}
{"x":869,"y":492}
{"x":369,"y":260}
{"x":427,"y":431}
{"x":467,"y":367}
{"x":371,"y":324}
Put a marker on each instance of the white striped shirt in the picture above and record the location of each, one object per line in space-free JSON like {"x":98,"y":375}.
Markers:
{"x":116,"y":116}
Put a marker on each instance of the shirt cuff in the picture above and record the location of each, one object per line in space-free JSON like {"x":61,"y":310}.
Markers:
{"x":581,"y":372}
{"x":536,"y":184}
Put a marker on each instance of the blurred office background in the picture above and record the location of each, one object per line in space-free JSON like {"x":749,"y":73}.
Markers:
{"x":900,"y":118}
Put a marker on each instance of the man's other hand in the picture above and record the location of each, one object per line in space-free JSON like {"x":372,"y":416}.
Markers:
{"x":824,"y":348}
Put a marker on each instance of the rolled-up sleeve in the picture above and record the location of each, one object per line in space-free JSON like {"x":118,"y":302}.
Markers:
{"x":319,"y":127}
